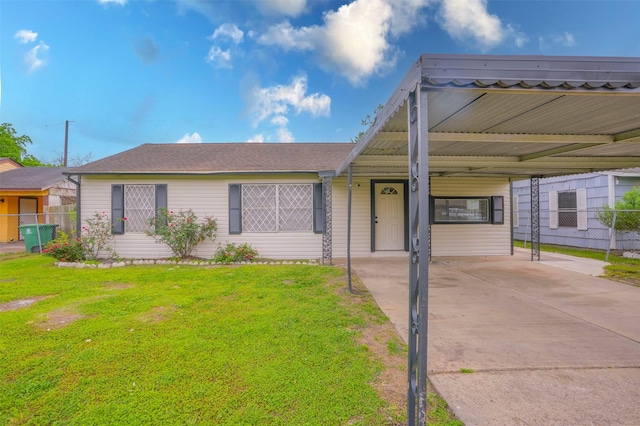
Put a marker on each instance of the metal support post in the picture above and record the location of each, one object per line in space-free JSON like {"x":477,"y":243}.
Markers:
{"x":535,"y":218}
{"x":418,"y":259}
{"x":349,"y":196}
{"x":326,"y":236}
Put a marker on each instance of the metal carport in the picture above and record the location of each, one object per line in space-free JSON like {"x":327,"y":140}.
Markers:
{"x":511,"y":116}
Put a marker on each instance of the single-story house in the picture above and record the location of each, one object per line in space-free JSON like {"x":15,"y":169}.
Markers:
{"x":492,"y":120}
{"x":27,"y":192}
{"x":431,"y":176}
{"x":569,"y":207}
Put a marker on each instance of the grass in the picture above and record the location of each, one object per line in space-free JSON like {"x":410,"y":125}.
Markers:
{"x":254,"y":344}
{"x":621,"y":269}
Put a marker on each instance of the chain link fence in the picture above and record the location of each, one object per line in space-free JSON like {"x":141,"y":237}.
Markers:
{"x":63,"y":216}
{"x":599,"y":229}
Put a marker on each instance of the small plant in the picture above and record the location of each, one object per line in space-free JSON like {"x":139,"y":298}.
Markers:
{"x":233,"y":253}
{"x":64,"y":250}
{"x":466,"y":370}
{"x":96,"y":236}
{"x":181,"y":231}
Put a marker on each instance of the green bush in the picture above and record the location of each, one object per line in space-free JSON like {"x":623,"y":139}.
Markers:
{"x":64,"y":250}
{"x":625,"y":211}
{"x":232,"y":253}
{"x":181,"y":231}
{"x":96,"y":236}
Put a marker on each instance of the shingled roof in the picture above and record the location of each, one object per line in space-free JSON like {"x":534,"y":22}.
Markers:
{"x":211,"y":158}
{"x":32,"y":178}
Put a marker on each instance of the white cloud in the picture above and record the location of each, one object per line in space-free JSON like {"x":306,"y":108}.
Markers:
{"x":118,"y":2}
{"x":285,"y":36}
{"x":26,"y":36}
{"x":355,"y":39}
{"x":219,"y":58}
{"x":551,"y":42}
{"x":190,"y":138}
{"x":228,"y":31}
{"x":284,"y":135}
{"x":259,"y":138}
{"x":275,"y":103}
{"x":33,"y":57}
{"x":291,"y":8}
{"x":470,"y":19}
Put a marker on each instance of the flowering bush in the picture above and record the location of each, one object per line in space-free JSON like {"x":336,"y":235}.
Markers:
{"x":96,"y":236}
{"x":181,"y":231}
{"x":232,"y":253}
{"x":64,"y":250}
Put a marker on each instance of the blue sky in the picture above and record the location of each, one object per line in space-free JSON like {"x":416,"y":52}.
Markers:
{"x":128,"y":72}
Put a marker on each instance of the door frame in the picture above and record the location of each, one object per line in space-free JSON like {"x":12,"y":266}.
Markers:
{"x":20,"y":213}
{"x":405,"y":185}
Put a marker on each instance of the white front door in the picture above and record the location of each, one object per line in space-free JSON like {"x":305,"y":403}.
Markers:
{"x":389,"y":216}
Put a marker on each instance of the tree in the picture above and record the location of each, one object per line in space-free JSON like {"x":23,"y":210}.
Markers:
{"x":625,"y":211}
{"x":15,"y":147}
{"x":368,"y":121}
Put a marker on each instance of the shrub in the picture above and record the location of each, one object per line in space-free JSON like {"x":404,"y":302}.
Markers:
{"x":626,"y":212}
{"x":64,"y":250}
{"x":232,"y":253}
{"x":96,"y":236}
{"x":181,"y":231}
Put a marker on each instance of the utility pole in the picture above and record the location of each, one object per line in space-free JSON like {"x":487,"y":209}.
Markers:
{"x":66,"y":142}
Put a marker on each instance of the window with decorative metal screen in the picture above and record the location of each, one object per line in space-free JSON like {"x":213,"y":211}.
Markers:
{"x":139,"y":206}
{"x":277,"y":208}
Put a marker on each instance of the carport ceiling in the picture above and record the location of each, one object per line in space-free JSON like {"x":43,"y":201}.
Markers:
{"x":512,"y":116}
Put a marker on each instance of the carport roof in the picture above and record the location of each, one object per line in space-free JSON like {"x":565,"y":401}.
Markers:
{"x":515,"y":116}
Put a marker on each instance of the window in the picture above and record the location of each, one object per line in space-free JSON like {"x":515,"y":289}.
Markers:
{"x":467,"y":210}
{"x":275,"y":208}
{"x":568,"y":209}
{"x":136,"y":203}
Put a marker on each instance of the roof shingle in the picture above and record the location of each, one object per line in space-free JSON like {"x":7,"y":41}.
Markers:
{"x":222,"y":158}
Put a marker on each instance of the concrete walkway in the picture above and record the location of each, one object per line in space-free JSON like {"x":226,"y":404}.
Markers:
{"x":547,"y":345}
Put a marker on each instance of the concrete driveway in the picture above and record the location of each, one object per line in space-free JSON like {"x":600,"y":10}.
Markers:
{"x":547,"y":345}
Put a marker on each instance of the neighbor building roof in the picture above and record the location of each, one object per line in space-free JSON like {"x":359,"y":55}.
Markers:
{"x":211,"y":158}
{"x":31,"y":178}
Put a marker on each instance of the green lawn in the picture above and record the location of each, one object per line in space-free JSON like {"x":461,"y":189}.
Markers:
{"x":621,"y":269}
{"x":252,"y":344}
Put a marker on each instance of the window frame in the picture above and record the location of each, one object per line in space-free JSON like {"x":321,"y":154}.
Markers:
{"x":118,"y":205}
{"x":494,"y":210}
{"x":237,"y":207}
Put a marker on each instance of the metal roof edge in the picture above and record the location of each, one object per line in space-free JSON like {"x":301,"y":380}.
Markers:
{"x":569,"y":72}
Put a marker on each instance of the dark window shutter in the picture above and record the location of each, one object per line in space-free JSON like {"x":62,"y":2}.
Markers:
{"x":497,"y":204}
{"x":117,"y":209}
{"x":235,"y":209}
{"x":161,"y":198}
{"x":318,"y":209}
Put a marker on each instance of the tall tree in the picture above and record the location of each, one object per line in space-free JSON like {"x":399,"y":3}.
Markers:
{"x":15,"y":147}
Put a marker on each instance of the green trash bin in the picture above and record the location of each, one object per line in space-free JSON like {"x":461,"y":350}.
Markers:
{"x":30,"y":234}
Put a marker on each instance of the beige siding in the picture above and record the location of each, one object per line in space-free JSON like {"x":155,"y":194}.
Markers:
{"x":447,"y":240}
{"x":206,"y":196}
{"x":471,"y":240}
{"x":360,"y":217}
